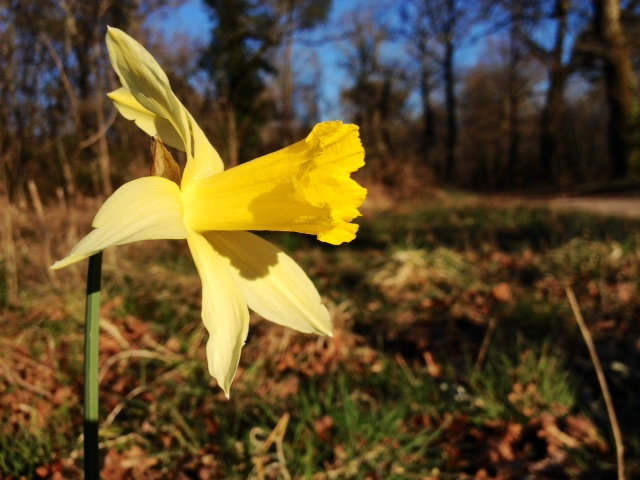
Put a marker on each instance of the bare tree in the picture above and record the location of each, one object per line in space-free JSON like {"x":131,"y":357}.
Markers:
{"x":53,"y":80}
{"x":291,"y":17}
{"x":621,"y":86}
{"x":498,"y":118}
{"x":553,"y":16}
{"x":237,"y":63}
{"x":29,"y":97}
{"x":420,"y":40}
{"x":378,"y":92}
{"x":554,"y":105}
{"x":440,"y":28}
{"x":514,"y":95}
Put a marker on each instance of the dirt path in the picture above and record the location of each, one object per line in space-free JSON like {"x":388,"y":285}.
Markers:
{"x":622,"y":206}
{"x":616,"y":205}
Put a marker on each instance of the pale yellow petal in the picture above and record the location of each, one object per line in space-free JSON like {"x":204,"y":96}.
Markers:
{"x":146,"y":120}
{"x":224,"y":312}
{"x":206,"y":160}
{"x":271,"y":282}
{"x":147,"y":208}
{"x":141,"y":75}
{"x":303,"y":188}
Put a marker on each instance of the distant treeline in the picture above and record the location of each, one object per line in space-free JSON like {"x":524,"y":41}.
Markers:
{"x":550,"y":98}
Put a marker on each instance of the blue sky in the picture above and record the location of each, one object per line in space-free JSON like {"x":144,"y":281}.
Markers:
{"x":188,"y":19}
{"x":191,"y":19}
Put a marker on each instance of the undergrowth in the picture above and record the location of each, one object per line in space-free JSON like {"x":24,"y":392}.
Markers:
{"x":455,"y":355}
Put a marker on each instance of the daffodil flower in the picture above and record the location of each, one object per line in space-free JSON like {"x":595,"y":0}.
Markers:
{"x":305,"y":188}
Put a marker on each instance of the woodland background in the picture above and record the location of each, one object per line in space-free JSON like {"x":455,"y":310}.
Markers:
{"x":455,"y":354}
{"x":546,"y":95}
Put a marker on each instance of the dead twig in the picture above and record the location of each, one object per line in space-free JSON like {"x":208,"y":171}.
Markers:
{"x":611,"y":411}
{"x":486,"y":343}
{"x":6,"y":372}
{"x":277,"y":437}
{"x":129,"y":354}
{"x":39,"y":209}
{"x":114,"y":332}
{"x":10,"y":263}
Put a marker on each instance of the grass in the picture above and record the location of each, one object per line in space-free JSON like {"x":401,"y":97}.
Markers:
{"x":532,"y":378}
{"x":399,"y":392}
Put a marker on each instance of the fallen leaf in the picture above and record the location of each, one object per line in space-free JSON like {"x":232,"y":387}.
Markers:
{"x":502,"y":292}
{"x":433,"y":368}
{"x":323,"y":427}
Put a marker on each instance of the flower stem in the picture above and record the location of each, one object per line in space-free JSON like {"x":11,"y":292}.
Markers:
{"x":91,"y":357}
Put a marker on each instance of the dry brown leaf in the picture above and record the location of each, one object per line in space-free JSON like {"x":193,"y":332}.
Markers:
{"x":63,"y":395}
{"x":502,"y":442}
{"x":137,"y":459}
{"x":287,"y":362}
{"x":578,"y":426}
{"x":43,"y":472}
{"x":626,"y":292}
{"x":110,"y":305}
{"x":593,"y":289}
{"x":502,"y":292}
{"x":433,"y":368}
{"x":556,"y":439}
{"x":174,"y":344}
{"x":323,"y":427}
{"x":112,"y":469}
{"x":136,"y":327}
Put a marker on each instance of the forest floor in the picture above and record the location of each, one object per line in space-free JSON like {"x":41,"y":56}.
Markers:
{"x":455,"y":351}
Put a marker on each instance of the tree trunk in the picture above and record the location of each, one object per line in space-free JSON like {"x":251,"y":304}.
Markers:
{"x":234,"y":141}
{"x":514,"y":94}
{"x":287,"y":93}
{"x":67,"y":174}
{"x":551,"y":121}
{"x":513,"y":122}
{"x":621,"y":87}
{"x":450,"y":101}
{"x":104,"y":160}
{"x":428,"y":127}
{"x":553,"y":108}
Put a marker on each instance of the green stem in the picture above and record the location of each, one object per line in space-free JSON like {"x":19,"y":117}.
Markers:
{"x":91,"y":359}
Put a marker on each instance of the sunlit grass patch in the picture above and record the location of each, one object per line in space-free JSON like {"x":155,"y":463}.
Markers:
{"x":587,"y":259}
{"x":34,"y":446}
{"x":472,"y":224}
{"x":524,"y":379}
{"x":348,"y":429}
